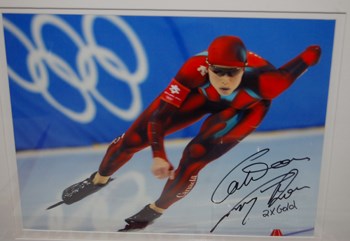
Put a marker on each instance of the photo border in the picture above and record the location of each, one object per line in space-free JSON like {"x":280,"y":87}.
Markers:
{"x":10,"y":224}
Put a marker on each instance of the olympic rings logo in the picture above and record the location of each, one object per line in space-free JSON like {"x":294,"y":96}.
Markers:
{"x":83,"y":78}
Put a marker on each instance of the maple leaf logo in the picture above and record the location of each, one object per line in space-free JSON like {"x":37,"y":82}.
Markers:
{"x":174,"y":89}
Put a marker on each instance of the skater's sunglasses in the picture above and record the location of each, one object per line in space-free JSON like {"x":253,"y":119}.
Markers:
{"x":222,"y":71}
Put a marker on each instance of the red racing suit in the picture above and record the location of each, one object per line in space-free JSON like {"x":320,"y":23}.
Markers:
{"x":190,"y":97}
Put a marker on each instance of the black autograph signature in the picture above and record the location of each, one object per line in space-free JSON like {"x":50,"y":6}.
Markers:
{"x":279,"y":185}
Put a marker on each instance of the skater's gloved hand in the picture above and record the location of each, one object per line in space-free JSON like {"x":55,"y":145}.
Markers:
{"x":161,"y":169}
{"x":311,"y":55}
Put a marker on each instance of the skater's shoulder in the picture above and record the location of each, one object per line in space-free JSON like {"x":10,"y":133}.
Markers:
{"x":193,"y":72}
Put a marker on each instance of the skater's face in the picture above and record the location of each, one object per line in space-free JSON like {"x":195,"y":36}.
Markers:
{"x":225,"y":79}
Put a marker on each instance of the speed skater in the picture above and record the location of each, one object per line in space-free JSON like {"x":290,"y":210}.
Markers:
{"x":231,"y":86}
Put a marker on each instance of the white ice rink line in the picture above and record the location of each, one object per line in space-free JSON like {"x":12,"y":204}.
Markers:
{"x":256,"y":136}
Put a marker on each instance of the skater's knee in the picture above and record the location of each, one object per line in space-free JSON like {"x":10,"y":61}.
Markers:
{"x":195,"y":151}
{"x":128,"y":143}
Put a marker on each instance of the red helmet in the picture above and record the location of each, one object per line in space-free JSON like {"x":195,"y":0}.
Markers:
{"x":227,"y":51}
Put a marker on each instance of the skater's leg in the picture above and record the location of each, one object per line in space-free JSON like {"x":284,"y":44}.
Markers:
{"x":121,"y":150}
{"x":219,"y":133}
{"x":118,"y":153}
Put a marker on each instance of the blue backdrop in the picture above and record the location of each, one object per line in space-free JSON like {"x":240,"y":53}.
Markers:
{"x":81,"y":80}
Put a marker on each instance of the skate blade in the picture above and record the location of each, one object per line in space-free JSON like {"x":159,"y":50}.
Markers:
{"x":55,"y":205}
{"x":132,"y":228}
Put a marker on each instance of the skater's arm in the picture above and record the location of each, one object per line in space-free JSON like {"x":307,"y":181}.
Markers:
{"x":156,"y":128}
{"x":161,"y":166}
{"x":273,"y":83}
{"x":171,"y":100}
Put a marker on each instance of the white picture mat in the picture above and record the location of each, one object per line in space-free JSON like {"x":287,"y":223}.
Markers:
{"x":332,"y":223}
